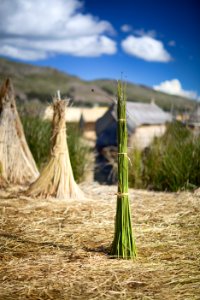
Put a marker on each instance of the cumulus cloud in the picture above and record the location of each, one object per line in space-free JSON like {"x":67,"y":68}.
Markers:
{"x":20,"y":53}
{"x":36,"y":29}
{"x":142,"y":32}
{"x":138,"y":32}
{"x":145,"y":47}
{"x":174,"y":87}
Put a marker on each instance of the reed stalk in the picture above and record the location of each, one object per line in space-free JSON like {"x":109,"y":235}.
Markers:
{"x":123,"y":245}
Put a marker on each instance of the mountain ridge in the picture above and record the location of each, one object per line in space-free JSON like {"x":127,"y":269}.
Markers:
{"x":34,"y":82}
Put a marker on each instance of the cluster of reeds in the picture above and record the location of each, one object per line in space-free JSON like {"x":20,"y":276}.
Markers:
{"x":16,"y":161}
{"x":171,"y":163}
{"x":38,"y":136}
{"x":123,"y":244}
{"x":56,"y":178}
{"x":136,"y":168}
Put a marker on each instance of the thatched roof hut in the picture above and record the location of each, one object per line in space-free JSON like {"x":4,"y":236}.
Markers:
{"x":148,"y":116}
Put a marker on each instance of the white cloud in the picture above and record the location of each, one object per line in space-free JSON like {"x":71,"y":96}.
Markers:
{"x":142,"y":32}
{"x":146,"y":48}
{"x":138,"y":32}
{"x":36,"y":29}
{"x":82,"y":46}
{"x":20,"y":53}
{"x":174,"y":87}
{"x":126,"y":28}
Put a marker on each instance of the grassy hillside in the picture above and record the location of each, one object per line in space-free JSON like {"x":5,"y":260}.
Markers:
{"x":41,"y":83}
{"x":36,"y":82}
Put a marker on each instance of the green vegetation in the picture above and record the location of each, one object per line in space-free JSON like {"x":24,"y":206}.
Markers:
{"x":136,"y":168}
{"x":123,"y":245}
{"x":172,"y":162}
{"x":78,"y":152}
{"x":38,"y":135}
{"x":32,"y":108}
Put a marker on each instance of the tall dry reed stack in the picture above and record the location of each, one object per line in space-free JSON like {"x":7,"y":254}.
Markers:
{"x":3,"y":182}
{"x":56,"y":179}
{"x":123,"y":244}
{"x":17,"y":163}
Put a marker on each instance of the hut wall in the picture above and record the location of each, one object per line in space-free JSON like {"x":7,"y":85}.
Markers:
{"x":144,"y":135}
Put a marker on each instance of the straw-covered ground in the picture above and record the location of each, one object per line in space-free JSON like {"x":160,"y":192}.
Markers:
{"x":53,"y":249}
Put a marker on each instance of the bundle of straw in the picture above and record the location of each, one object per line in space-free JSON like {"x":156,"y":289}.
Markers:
{"x":3,"y":182}
{"x":56,"y":179}
{"x":17,"y":163}
{"x":123,"y":244}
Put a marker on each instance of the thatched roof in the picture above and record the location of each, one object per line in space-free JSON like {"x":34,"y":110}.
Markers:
{"x":147,"y":113}
{"x":137,"y":114}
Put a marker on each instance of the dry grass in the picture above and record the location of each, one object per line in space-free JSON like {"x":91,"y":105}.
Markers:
{"x":51,"y":249}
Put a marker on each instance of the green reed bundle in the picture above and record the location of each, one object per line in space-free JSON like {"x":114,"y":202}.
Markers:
{"x":123,"y":245}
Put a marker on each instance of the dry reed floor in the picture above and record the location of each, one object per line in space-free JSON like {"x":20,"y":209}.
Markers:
{"x":52,"y":249}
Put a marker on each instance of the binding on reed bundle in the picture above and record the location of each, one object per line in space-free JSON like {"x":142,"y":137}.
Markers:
{"x":123,"y":245}
{"x":56,"y":179}
{"x":17,"y":163}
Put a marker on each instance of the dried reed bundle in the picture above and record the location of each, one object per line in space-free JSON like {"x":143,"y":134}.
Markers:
{"x":3,"y":182}
{"x":17,"y":163}
{"x":123,"y":245}
{"x":56,"y":179}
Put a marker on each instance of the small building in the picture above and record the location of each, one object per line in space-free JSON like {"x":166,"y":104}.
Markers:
{"x":144,"y":122}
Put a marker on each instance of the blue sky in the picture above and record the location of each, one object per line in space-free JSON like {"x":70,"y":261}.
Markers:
{"x":155,"y":43}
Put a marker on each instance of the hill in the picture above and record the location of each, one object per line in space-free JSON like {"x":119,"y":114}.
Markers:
{"x":41,"y":83}
{"x":141,"y":93}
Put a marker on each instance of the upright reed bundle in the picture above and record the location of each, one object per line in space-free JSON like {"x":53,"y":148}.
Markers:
{"x":17,"y":163}
{"x":123,"y":244}
{"x":3,"y":182}
{"x":56,"y":179}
